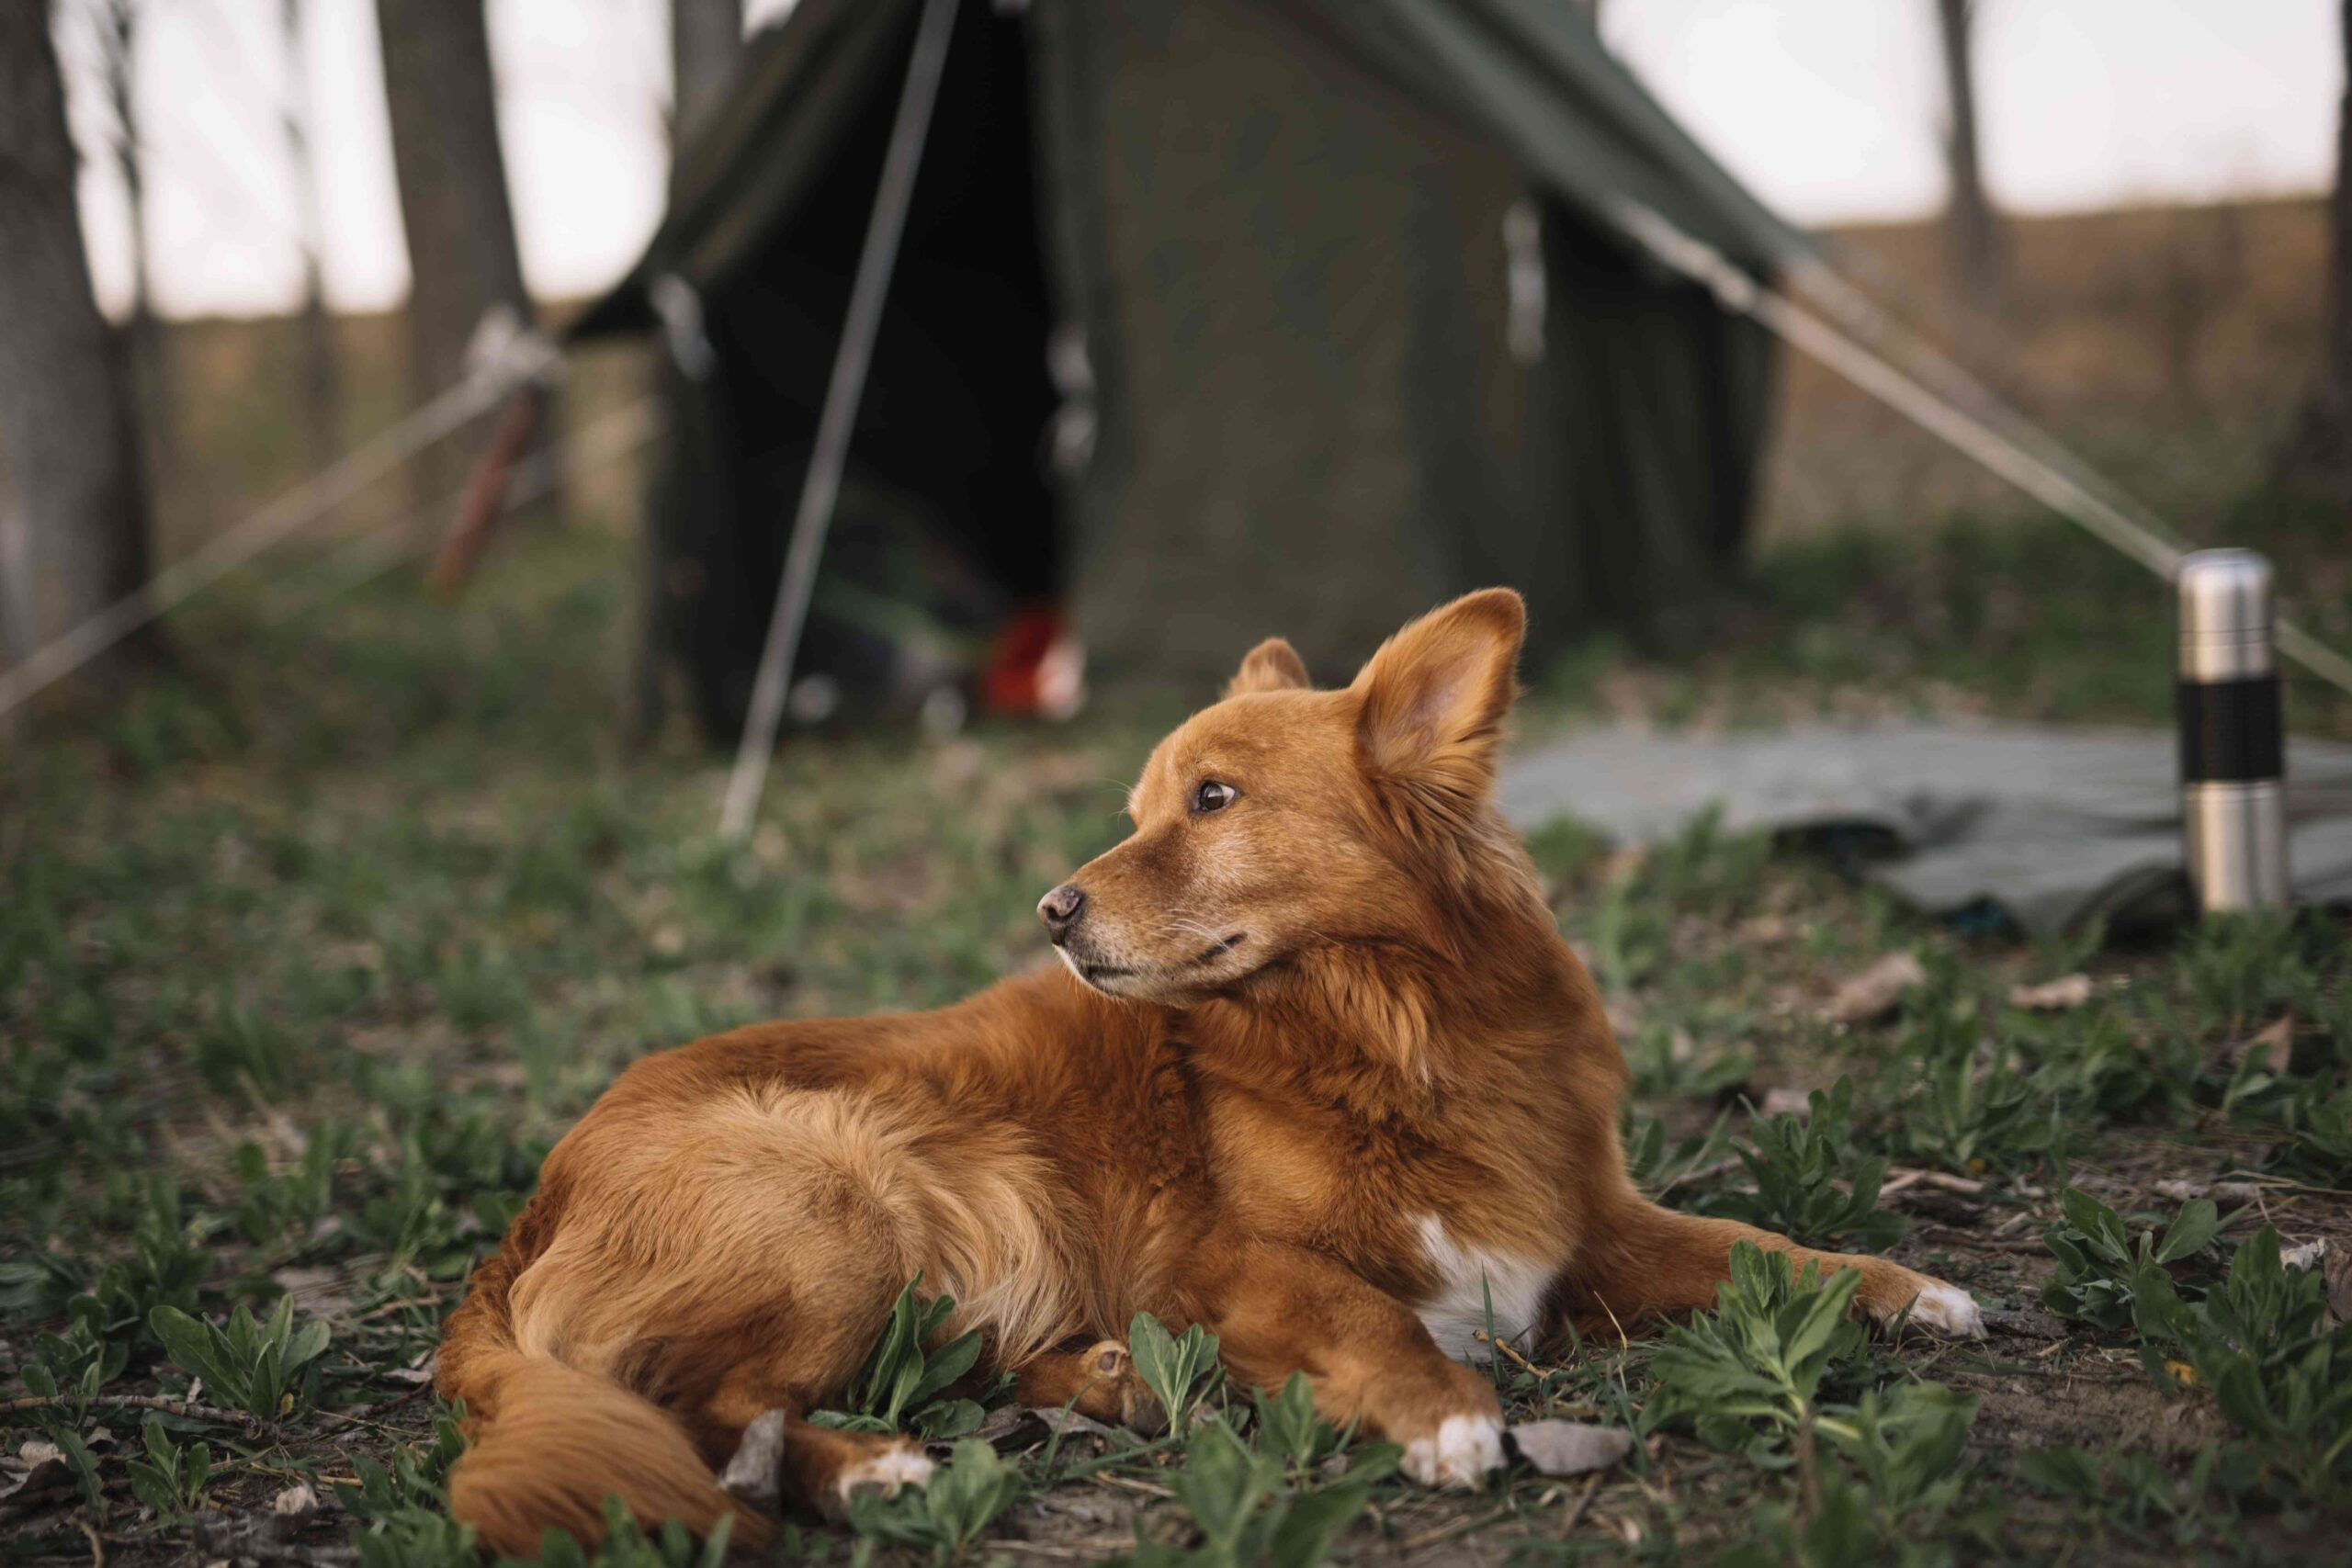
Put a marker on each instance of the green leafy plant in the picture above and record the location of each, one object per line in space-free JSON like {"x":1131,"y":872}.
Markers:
{"x":1288,"y":1427}
{"x":904,"y":1374}
{"x":1798,"y":1163}
{"x":167,"y":1267}
{"x":77,"y":1363}
{"x":961,"y":1499}
{"x":2315,"y":1113}
{"x":1658,"y":1165}
{"x":2236,"y":967}
{"x":1182,"y":1370}
{"x":1666,"y":1065}
{"x":268,"y":1369}
{"x":1251,"y":1508}
{"x":1975,"y":1106}
{"x":2132,"y":1492}
{"x":284,"y":1209}
{"x":628,"y":1544}
{"x":2263,"y":1343}
{"x":401,"y":1503}
{"x":1907,"y":1446}
{"x":2104,"y":1265}
{"x":169,"y":1480}
{"x":1747,"y":1375}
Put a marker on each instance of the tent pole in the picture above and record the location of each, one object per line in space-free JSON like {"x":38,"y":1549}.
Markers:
{"x":821,"y":486}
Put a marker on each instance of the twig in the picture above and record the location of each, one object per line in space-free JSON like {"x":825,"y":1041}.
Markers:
{"x":97,"y":1543}
{"x":254,"y":1424}
{"x":1899,"y":1177}
{"x":1462,"y":1525}
{"x":1704,"y":1173}
{"x":1127,"y":1483}
{"x":1091,"y":1549}
{"x":1583,"y":1500}
{"x":1506,"y":1348}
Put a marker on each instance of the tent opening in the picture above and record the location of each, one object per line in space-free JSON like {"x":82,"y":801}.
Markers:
{"x":948,"y":526}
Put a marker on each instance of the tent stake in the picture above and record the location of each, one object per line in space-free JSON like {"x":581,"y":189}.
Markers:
{"x":821,"y":487}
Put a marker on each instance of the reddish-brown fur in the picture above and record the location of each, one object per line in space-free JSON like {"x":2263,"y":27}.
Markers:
{"x":1326,"y":1039}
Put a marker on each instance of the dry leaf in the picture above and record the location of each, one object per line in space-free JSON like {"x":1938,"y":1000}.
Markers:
{"x":1056,"y":1419}
{"x":2308,"y":1256}
{"x":1785,"y":1101}
{"x":1570,"y":1448}
{"x":2181,"y":1191}
{"x":37,"y":1469}
{"x":2054,"y":996}
{"x":295,"y":1501}
{"x":1874,"y":993}
{"x":2277,"y":1043}
{"x":1009,"y":1429}
{"x":2337,"y":1271}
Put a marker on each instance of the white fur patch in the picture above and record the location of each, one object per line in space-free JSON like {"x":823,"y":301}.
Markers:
{"x":1465,"y":1449}
{"x":1468,"y":1279}
{"x":1949,"y":1310}
{"x":901,"y":1465}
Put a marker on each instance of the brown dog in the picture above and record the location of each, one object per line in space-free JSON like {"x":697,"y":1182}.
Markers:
{"x":1321,"y":1075}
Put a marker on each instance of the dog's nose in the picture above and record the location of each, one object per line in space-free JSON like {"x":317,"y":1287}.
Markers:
{"x":1060,"y":908}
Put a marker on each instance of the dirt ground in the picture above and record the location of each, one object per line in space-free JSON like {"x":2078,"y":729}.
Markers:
{"x":310,"y":946}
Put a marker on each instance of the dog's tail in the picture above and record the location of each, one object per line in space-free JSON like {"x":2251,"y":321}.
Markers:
{"x":550,"y":1442}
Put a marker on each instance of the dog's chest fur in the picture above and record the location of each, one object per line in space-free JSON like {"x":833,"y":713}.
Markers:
{"x":1473,"y":1282}
{"x":1310,"y":1176}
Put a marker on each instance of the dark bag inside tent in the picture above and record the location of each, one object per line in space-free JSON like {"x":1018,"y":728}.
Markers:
{"x":1212,"y":321}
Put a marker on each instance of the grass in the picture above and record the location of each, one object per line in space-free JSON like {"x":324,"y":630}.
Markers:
{"x":311,"y":947}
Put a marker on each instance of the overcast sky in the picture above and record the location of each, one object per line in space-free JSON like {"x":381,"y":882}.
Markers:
{"x":1830,"y":109}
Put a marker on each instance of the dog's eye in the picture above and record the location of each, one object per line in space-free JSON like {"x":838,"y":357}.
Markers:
{"x":1212,"y":797}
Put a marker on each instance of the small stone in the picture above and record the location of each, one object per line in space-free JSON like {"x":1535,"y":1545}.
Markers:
{"x":1569,"y":1448}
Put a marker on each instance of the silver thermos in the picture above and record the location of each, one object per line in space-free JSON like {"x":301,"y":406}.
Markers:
{"x":2232,"y":739}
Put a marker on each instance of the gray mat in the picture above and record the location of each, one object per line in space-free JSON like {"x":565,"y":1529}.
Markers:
{"x":2051,"y":826}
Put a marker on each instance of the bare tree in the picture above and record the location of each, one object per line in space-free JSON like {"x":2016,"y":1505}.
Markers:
{"x":67,"y":431}
{"x":705,"y":46}
{"x":150,"y":362}
{"x":1968,"y":216}
{"x":454,"y":204}
{"x":322,"y":381}
{"x":2320,"y":447}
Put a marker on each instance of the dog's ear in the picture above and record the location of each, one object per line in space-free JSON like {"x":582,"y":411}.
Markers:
{"x":1435,"y":694}
{"x":1273,"y":666}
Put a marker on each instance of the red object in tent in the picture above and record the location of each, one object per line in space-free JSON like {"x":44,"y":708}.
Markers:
{"x":1036,"y":665}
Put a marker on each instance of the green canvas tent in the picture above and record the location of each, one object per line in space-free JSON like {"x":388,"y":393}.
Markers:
{"x":1213,"y":318}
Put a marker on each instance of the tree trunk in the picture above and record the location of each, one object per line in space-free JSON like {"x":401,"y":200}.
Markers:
{"x":705,"y":46}
{"x":2321,"y":446}
{"x":321,"y":389}
{"x":67,"y":433}
{"x":1968,"y":218}
{"x":151,"y":368}
{"x":453,"y":205}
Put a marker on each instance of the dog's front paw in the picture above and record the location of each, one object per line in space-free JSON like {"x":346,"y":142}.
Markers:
{"x":1943,"y":1309}
{"x":1459,"y":1453}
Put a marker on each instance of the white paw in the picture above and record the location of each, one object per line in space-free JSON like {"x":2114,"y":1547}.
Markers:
{"x":903,"y":1465}
{"x":1949,"y":1310}
{"x":1465,"y":1449}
